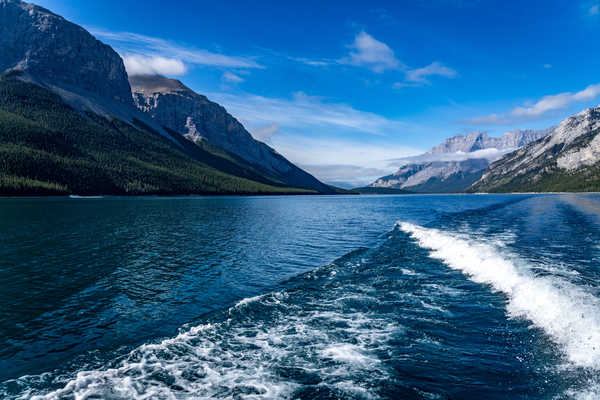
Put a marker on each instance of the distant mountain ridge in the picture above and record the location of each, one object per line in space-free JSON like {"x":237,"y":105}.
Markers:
{"x":566,"y":160}
{"x":455,"y":164}
{"x":480,"y":140}
{"x":51,"y":56}
{"x":173,"y":105}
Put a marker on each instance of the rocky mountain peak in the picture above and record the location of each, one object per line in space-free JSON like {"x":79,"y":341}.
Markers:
{"x":576,"y":125}
{"x":173,"y":105}
{"x":51,"y":51}
{"x":464,"y":143}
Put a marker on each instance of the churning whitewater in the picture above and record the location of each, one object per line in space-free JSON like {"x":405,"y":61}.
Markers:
{"x":498,"y":301}
{"x":567,"y":313}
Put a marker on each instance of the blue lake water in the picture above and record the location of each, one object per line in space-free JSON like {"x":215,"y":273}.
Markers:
{"x":345,"y":297}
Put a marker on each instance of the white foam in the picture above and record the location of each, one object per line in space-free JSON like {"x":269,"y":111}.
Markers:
{"x":248,"y":300}
{"x":568,"y":314}
{"x":346,"y":352}
{"x":237,"y":359}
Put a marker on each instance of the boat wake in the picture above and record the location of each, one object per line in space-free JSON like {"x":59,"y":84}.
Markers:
{"x":389,"y":322}
{"x":567,"y":313}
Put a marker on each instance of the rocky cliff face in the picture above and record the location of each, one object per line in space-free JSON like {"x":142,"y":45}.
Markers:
{"x":54,"y":52}
{"x":457,"y":162}
{"x":564,"y":160}
{"x":480,"y":140}
{"x":173,"y":105}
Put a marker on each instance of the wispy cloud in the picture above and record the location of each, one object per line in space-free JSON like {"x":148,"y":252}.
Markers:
{"x":368,"y":52}
{"x":540,"y":108}
{"x":594,"y":10}
{"x":303,"y":110}
{"x":142,"y":65}
{"x":421,"y":75}
{"x":133,"y":44}
{"x":231,"y":77}
{"x":299,"y":127}
{"x":349,"y":176}
{"x":265,"y":133}
{"x":335,"y":160}
{"x":371,"y":53}
{"x":314,"y":62}
{"x":491,"y":154}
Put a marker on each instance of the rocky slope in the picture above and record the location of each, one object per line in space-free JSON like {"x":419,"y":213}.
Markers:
{"x":176,"y":107}
{"x":50,"y":51}
{"x":566,"y":160}
{"x":457,"y":163}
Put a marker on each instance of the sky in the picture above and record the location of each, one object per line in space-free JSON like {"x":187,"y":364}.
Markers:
{"x":346,"y":88}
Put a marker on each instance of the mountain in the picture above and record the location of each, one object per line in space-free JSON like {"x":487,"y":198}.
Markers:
{"x":63,"y":57}
{"x":455,"y":164}
{"x":177,"y":108}
{"x":480,"y":140}
{"x":566,"y":160}
{"x":69,"y":124}
{"x":47,"y":147}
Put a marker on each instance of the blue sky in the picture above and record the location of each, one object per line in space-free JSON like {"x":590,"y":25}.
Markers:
{"x":344,"y":88}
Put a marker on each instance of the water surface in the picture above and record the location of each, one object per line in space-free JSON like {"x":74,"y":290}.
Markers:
{"x":424,"y":296}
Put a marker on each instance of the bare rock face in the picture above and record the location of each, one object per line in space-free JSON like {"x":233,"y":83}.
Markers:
{"x":52,"y":51}
{"x":571,"y":148}
{"x":173,"y":105}
{"x":480,"y":141}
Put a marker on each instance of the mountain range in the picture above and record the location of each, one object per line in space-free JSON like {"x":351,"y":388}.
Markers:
{"x":73,"y":121}
{"x":455,"y":164}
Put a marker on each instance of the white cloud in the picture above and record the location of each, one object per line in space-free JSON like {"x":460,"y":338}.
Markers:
{"x":303,"y":111}
{"x":349,"y":176}
{"x":297,"y":128}
{"x":371,"y":53}
{"x":135,"y":44}
{"x":366,"y":51}
{"x":491,"y":154}
{"x":420,"y":75}
{"x":540,"y":108}
{"x":265,"y":133}
{"x":594,"y":10}
{"x":231,"y":77}
{"x":313,"y":62}
{"x":547,"y":66}
{"x":334,"y":160}
{"x":556,"y":102}
{"x":142,"y":65}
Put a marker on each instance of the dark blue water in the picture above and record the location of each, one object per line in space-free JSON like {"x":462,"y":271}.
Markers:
{"x":358,"y":297}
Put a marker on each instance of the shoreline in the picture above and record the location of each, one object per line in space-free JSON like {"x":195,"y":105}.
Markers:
{"x":124,"y":196}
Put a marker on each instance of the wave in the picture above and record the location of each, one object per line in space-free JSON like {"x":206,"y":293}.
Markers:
{"x":567,"y":313}
{"x":271,"y":346}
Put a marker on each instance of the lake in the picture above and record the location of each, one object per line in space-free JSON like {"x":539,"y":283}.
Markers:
{"x":350,"y":297}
